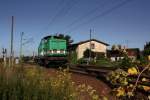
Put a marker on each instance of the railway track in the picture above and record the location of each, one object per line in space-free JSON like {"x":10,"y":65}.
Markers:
{"x":102,"y":72}
{"x":89,"y":70}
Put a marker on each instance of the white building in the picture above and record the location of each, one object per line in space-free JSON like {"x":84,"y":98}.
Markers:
{"x":96,"y":46}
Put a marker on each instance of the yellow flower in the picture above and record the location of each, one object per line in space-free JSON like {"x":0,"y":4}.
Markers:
{"x":120,"y":92}
{"x":89,"y":88}
{"x":144,"y":79}
{"x":131,"y":85}
{"x":105,"y":98}
{"x":95,"y":97}
{"x":83,"y":85}
{"x":73,"y":83}
{"x":130,"y":94}
{"x":92,"y":92}
{"x":132,"y":71}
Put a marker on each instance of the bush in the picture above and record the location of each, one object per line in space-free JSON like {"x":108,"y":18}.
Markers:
{"x":73,"y":57}
{"x":104,"y":62}
{"x":142,"y":61}
{"x":87,"y":53}
{"x":83,"y":61}
{"x":126,"y":63}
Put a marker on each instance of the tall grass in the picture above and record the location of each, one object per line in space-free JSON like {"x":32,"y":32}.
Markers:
{"x":32,"y":84}
{"x":20,"y":83}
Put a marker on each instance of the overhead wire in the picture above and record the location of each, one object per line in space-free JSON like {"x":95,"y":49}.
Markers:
{"x":102,"y":14}
{"x":56,"y":15}
{"x":62,"y":12}
{"x":60,"y":2}
{"x":73,"y":3}
{"x":89,"y":13}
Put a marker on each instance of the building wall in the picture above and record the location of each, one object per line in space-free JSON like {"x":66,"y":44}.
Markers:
{"x":99,"y":47}
{"x":149,"y":57}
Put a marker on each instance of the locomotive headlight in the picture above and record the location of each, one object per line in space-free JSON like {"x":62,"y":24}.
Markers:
{"x":58,"y":51}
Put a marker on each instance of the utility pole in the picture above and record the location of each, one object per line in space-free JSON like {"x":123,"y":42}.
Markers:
{"x":21,"y":46}
{"x":33,"y":55}
{"x":11,"y":47}
{"x":90,"y":46}
{"x":22,"y":43}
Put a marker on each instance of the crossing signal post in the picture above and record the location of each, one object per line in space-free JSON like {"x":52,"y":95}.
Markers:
{"x":4,"y":52}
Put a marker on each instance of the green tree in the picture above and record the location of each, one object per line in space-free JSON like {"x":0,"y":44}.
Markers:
{"x":147,"y":49}
{"x":73,"y":57}
{"x":126,"y":62}
{"x":113,"y":47}
{"x":87,"y":52}
{"x":119,"y":47}
{"x":67,"y":38}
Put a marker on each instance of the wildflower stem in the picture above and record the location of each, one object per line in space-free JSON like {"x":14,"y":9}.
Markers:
{"x":139,"y":77}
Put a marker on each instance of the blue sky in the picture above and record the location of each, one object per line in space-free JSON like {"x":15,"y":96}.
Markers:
{"x":127,"y":24}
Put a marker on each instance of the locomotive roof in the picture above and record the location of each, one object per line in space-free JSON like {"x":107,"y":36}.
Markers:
{"x":56,"y":37}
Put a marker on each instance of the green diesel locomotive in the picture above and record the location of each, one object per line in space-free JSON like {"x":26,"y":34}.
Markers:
{"x":52,"y":49}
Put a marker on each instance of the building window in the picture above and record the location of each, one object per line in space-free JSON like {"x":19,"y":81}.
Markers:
{"x":92,"y":46}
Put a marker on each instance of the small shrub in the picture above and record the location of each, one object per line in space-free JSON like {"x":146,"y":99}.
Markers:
{"x":73,"y":57}
{"x":124,"y":86}
{"x":126,"y":63}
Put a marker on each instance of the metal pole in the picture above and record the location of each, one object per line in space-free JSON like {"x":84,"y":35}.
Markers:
{"x":11,"y":51}
{"x":21,"y":46}
{"x":33,"y":55}
{"x":90,"y":46}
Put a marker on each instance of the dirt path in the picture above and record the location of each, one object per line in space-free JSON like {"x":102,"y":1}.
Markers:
{"x":98,"y":85}
{"x":101,"y":88}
